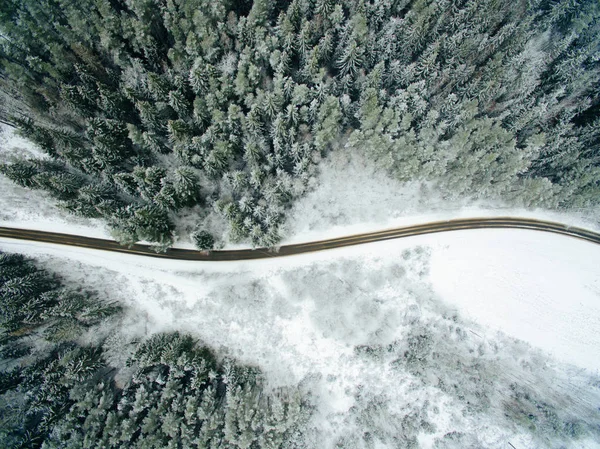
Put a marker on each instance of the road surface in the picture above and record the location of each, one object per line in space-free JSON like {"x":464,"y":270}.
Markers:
{"x":300,"y":248}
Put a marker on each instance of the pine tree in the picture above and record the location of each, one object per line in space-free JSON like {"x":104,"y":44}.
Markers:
{"x":328,"y":124}
{"x":186,"y":186}
{"x":203,"y":240}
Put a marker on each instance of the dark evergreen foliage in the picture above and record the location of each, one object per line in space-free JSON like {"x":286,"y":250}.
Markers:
{"x":34,"y":306}
{"x":203,"y":240}
{"x":175,"y":392}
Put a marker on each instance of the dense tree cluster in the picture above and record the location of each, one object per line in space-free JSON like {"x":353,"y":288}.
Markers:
{"x":40,"y":321}
{"x":31,"y":299}
{"x":180,"y":397}
{"x":203,"y":240}
{"x":57,"y":393}
{"x":140,"y":102}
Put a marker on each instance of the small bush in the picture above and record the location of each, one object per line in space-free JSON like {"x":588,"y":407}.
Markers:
{"x":203,"y":240}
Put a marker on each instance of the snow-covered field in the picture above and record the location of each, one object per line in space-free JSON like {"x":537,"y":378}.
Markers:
{"x":491,"y":334}
{"x":539,"y":288}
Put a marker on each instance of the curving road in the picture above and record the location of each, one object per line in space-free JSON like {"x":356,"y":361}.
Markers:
{"x":300,"y":248}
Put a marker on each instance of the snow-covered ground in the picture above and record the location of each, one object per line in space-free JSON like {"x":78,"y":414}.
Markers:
{"x":539,"y":288}
{"x":351,"y":196}
{"x":456,"y":331}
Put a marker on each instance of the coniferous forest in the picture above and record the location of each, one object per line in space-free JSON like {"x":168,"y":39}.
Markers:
{"x":172,"y":392}
{"x":147,"y":108}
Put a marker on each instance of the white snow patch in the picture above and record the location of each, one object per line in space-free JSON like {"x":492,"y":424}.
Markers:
{"x":540,"y":288}
{"x":12,"y":144}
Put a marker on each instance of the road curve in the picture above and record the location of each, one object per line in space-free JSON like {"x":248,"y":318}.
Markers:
{"x":300,"y":248}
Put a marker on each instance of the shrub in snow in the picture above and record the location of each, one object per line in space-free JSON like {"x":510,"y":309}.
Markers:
{"x":203,"y":240}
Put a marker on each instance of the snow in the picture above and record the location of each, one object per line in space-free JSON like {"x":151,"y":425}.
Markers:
{"x":539,"y":288}
{"x":13,"y":144}
{"x":352,"y":196}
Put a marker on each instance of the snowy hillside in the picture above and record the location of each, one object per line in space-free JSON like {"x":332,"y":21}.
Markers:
{"x":452,"y":329}
{"x":232,"y":124}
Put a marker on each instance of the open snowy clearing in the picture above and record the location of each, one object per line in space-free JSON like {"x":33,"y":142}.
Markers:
{"x":541,"y":288}
{"x":353,"y":196}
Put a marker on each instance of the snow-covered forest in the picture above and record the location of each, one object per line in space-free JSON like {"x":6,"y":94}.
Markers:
{"x":150,"y":108}
{"x":171,"y":392}
{"x":230,"y":123}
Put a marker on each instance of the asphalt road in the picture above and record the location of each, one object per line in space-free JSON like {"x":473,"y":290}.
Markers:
{"x":300,"y":248}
